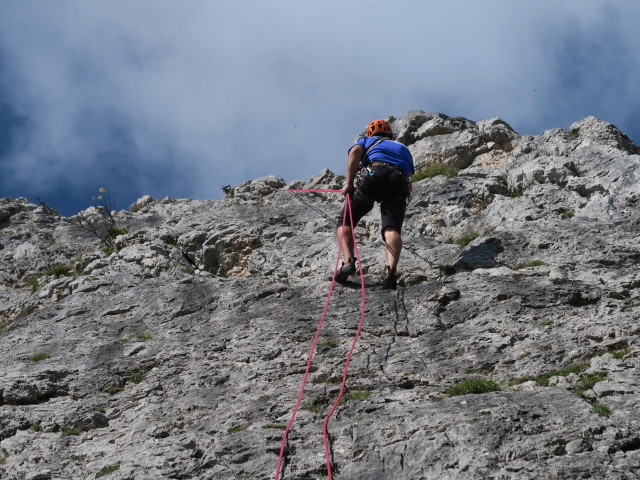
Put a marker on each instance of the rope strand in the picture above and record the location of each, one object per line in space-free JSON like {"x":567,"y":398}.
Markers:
{"x":315,"y":341}
{"x":353,"y":345}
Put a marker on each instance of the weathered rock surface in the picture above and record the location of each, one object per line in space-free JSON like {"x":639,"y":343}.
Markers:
{"x":179,"y":354}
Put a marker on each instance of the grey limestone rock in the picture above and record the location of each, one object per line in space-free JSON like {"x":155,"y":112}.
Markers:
{"x":509,"y":350}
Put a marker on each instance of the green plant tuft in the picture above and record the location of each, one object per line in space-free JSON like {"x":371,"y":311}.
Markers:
{"x":67,"y":432}
{"x":239,"y":428}
{"x":33,"y":282}
{"x":114,"y":232}
{"x":334,"y":471}
{"x":355,"y":395}
{"x":113,"y":390}
{"x":143,"y":336}
{"x":601,"y":409}
{"x":472,"y":386}
{"x":59,"y":271}
{"x":137,"y":377}
{"x":317,"y":406}
{"x":619,"y":354}
{"x":543,"y":380}
{"x":38,"y":357}
{"x":25,"y":313}
{"x":435,"y":169}
{"x":466,"y":239}
{"x":587,"y":382}
{"x":107,"y":470}
{"x":4,"y":325}
{"x":326,"y":379}
{"x":532,"y":263}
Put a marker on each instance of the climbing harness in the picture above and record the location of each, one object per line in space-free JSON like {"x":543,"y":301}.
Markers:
{"x":367,"y":171}
{"x":315,"y":341}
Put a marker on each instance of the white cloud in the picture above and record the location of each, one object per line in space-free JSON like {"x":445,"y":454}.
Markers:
{"x":195,"y":94}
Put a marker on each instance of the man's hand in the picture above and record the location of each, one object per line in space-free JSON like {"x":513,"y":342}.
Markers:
{"x":349,"y":189}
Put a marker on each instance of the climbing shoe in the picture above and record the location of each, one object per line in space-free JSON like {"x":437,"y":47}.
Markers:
{"x":345,"y":270}
{"x":390,"y":281}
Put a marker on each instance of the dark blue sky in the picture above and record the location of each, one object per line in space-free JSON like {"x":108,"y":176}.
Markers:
{"x":179,"y":98}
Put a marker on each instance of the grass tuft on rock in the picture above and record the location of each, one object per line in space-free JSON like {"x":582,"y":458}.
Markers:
{"x":239,"y":428}
{"x":588,"y":381}
{"x":107,"y":470}
{"x":435,"y":169}
{"x":543,"y":379}
{"x":59,"y":271}
{"x":466,"y":239}
{"x":38,"y":357}
{"x":355,"y":395}
{"x":532,"y":263}
{"x":601,"y":409}
{"x":472,"y":386}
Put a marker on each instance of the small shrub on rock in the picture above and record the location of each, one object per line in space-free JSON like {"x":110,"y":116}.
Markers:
{"x":104,"y":226}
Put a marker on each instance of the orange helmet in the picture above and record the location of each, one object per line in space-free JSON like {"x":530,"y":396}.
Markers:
{"x":379,"y":126}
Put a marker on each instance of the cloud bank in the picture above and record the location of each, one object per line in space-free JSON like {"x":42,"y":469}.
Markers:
{"x":178,"y":98}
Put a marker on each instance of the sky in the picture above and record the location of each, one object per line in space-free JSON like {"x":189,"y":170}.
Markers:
{"x":177,"y":99}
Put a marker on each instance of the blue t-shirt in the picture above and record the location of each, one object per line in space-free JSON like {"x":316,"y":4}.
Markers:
{"x":388,"y":151}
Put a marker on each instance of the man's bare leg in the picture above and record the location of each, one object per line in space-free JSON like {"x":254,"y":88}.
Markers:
{"x":393,"y":246}
{"x":344,"y":237}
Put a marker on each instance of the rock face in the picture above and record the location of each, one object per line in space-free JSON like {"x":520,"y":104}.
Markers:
{"x":509,"y":350}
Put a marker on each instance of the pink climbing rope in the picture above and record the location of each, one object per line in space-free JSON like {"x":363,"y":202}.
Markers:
{"x":325,"y":439}
{"x":315,"y":191}
{"x":315,"y":341}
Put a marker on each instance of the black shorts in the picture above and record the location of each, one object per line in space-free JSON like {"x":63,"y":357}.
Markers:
{"x":390,"y":188}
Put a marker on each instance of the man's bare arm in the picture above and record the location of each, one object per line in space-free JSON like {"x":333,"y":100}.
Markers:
{"x":353,"y":162}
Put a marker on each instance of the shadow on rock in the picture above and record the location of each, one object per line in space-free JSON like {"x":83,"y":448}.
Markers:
{"x":481,"y":254}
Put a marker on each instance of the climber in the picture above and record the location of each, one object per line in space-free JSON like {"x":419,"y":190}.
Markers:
{"x":379,"y":169}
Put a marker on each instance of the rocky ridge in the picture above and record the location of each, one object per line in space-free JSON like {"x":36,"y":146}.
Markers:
{"x":509,"y":351}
